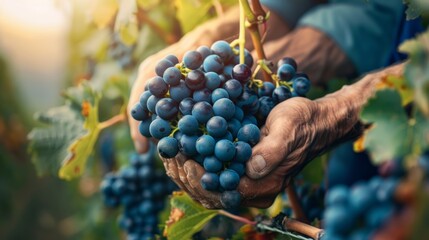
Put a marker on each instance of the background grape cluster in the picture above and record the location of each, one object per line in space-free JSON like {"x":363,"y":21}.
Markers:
{"x":210,"y":108}
{"x":141,"y":189}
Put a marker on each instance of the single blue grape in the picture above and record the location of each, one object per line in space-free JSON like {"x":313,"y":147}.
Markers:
{"x":287,"y":60}
{"x":233,"y":127}
{"x":119,"y":186}
{"x":242,"y":73}
{"x":213,"y":63}
{"x":186,"y":106}
{"x":248,"y":100}
{"x":230,"y":199}
{"x":239,"y":168}
{"x":138,"y":113}
{"x":204,"y":51}
{"x":188,"y":125}
{"x":360,"y":200}
{"x":212,"y":164}
{"x":168,"y":147}
{"x":217,"y":126}
{"x":286,"y":72}
{"x":166,"y":108}
{"x":151,"y":103}
{"x":144,"y":127}
{"x":266,"y":89}
{"x":195,"y":80}
{"x":143,"y":99}
{"x":212,"y":80}
{"x":243,"y":152}
{"x":157,"y":86}
{"x":203,"y":95}
{"x":180,"y":91}
{"x":301,"y":85}
{"x":249,"y":133}
{"x":205,"y":145}
{"x":239,"y":114}
{"x":162,"y":65}
{"x":222,"y":49}
{"x":172,"y":76}
{"x":159,"y":128}
{"x":187,"y":145}
{"x":192,"y":60}
{"x":146,"y":207}
{"x":210,"y":181}
{"x":234,"y":88}
{"x":338,"y":195}
{"x":225,"y":108}
{"x":281,"y":93}
{"x":229,"y":179}
{"x":218,"y":94}
{"x":224,"y":150}
{"x":249,"y":119}
{"x":173,"y":59}
{"x":266,"y":104}
{"x":338,"y":219}
{"x":202,"y":111}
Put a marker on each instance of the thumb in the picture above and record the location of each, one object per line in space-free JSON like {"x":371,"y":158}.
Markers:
{"x":266,"y":155}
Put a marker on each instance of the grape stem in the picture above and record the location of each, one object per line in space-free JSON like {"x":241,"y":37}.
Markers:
{"x":112,"y":121}
{"x":253,"y":21}
{"x":237,"y":218}
{"x":295,"y":202}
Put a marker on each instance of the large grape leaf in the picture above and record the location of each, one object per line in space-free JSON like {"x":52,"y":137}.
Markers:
{"x":126,"y":22}
{"x":187,"y":217}
{"x":389,"y":135}
{"x":417,"y":69}
{"x":64,"y":141}
{"x":392,"y":133}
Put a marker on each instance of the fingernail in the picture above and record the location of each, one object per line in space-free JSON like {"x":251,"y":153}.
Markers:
{"x":257,"y":163}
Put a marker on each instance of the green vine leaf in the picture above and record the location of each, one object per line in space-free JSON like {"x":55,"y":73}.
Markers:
{"x":417,"y":69}
{"x":187,"y":217}
{"x":393,"y":134}
{"x":388,"y":137}
{"x":63,"y":145}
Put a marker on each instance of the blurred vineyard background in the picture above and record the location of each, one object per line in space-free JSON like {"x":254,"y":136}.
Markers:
{"x":48,"y":46}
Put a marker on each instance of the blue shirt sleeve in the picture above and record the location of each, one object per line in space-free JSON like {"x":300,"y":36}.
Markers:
{"x":365,"y":30}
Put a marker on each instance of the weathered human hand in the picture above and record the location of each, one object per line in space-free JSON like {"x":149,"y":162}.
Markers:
{"x":296,"y":131}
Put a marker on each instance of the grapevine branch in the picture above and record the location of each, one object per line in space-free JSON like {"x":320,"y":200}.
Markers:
{"x":144,"y":18}
{"x":295,"y":203}
{"x":112,"y":121}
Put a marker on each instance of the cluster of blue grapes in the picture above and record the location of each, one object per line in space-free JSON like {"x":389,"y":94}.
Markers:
{"x":209,"y":108}
{"x":358,"y":212}
{"x":141,"y":190}
{"x":120,"y":52}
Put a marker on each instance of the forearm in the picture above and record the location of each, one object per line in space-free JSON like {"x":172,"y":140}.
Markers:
{"x":346,"y":104}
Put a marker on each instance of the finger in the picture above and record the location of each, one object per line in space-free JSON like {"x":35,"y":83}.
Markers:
{"x":266,"y":187}
{"x":194,"y":173}
{"x":170,"y":166}
{"x":267,"y":154}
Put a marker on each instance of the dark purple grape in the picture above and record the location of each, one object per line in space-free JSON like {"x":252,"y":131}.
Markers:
{"x":186,"y":106}
{"x":180,"y":92}
{"x":162,"y":65}
{"x":286,"y":72}
{"x":166,"y":108}
{"x":242,"y":73}
{"x":192,"y":60}
{"x":157,"y":86}
{"x":281,"y":93}
{"x":289,"y":61}
{"x":195,"y":80}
